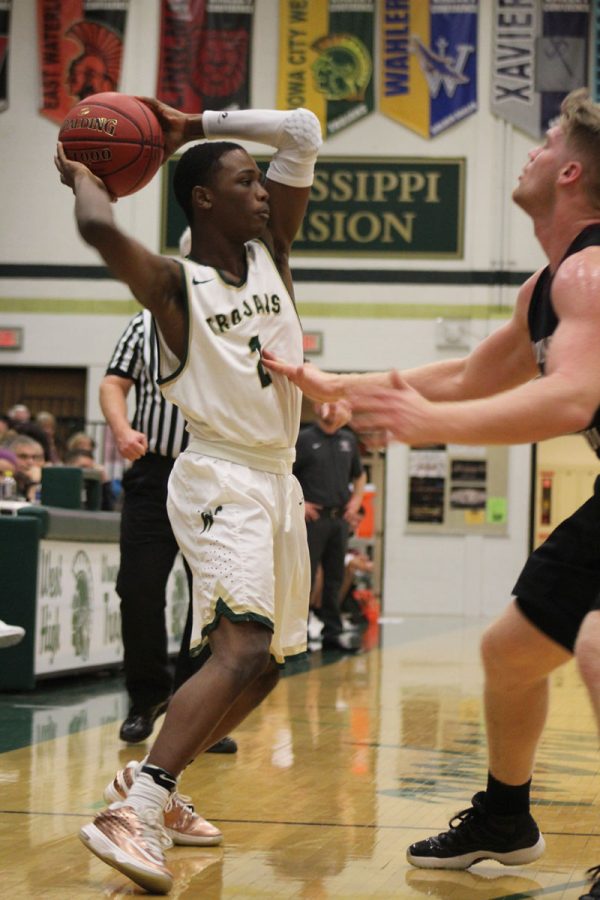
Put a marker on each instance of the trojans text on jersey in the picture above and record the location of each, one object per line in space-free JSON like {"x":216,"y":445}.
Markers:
{"x":266,"y":304}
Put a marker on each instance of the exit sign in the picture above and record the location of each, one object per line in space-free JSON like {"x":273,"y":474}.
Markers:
{"x":313,"y":342}
{"x":11,"y":338}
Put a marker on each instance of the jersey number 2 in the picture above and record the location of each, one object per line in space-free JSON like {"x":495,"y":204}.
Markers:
{"x":264,"y":377}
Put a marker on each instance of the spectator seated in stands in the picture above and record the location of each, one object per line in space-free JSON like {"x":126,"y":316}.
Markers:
{"x":18,"y":414}
{"x":81,"y":441}
{"x":47,"y":422}
{"x":84,"y":459}
{"x":34,"y":430}
{"x":30,"y":458}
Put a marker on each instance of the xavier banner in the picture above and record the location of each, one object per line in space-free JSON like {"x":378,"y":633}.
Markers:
{"x":428,"y":63}
{"x":326,"y":59}
{"x":204,"y":56}
{"x":4,"y":44}
{"x":80,"y":50}
{"x":540,"y":53}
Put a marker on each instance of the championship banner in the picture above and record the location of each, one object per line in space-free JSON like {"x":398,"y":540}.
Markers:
{"x":4,"y":40}
{"x":204,"y":55}
{"x":428,"y":63}
{"x":326,"y":59}
{"x":539,"y":54}
{"x":80,"y":50}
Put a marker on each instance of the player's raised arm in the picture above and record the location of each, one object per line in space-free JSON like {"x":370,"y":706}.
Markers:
{"x":153,"y":279}
{"x":296,"y":135}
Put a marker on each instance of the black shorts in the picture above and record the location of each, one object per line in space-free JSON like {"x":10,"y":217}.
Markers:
{"x":560,"y":582}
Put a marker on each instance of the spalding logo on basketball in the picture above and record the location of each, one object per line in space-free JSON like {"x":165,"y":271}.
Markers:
{"x":117,"y":137}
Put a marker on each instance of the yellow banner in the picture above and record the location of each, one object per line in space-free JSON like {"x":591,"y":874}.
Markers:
{"x":302,"y":23}
{"x":399,"y":67}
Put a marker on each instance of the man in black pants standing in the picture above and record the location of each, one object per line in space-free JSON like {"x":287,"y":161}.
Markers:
{"x":152,"y":441}
{"x":327,"y":463}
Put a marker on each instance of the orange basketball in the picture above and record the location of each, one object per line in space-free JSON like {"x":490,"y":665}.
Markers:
{"x":117,"y":137}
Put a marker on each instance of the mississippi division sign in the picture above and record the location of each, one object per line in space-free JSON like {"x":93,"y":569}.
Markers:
{"x":389,"y":206}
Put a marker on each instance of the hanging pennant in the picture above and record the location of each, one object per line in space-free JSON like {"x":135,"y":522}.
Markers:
{"x":326,"y":59}
{"x":539,"y":55}
{"x":204,"y":55}
{"x":561,"y":54}
{"x":596,"y":50}
{"x":80,"y":49}
{"x":4,"y":45}
{"x":428,"y":64}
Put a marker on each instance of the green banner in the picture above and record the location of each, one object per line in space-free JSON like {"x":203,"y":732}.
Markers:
{"x":326,"y":59}
{"x":389,"y":206}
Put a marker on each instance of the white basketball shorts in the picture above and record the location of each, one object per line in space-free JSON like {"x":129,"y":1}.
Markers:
{"x":243,"y":534}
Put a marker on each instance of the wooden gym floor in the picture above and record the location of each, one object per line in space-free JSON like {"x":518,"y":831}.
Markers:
{"x":349,"y":761}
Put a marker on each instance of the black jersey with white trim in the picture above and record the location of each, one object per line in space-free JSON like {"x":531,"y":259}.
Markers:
{"x":543,"y":321}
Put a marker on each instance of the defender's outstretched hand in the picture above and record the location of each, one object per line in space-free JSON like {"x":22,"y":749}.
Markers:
{"x":395,"y":413}
{"x":322,"y":386}
{"x":336,"y":413}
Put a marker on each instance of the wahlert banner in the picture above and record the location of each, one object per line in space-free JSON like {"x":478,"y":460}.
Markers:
{"x":539,"y":55}
{"x":204,"y":57}
{"x":428,"y":65}
{"x":80,"y":50}
{"x":326,"y":59}
{"x":4,"y":39}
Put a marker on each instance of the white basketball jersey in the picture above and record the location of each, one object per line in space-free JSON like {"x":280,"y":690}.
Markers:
{"x":221,"y":388}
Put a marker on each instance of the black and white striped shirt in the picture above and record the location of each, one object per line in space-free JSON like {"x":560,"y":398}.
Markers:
{"x":136,"y":357}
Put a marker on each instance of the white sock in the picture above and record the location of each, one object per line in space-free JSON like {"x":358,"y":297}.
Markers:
{"x":147,"y":794}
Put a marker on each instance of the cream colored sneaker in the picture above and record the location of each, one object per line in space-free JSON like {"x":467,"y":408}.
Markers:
{"x":182,"y":824}
{"x":133,"y":843}
{"x":10,"y":634}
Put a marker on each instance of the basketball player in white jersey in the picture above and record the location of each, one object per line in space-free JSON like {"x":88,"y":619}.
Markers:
{"x":236,"y":509}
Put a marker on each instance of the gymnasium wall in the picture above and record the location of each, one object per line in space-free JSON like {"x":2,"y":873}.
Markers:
{"x":365,"y":326}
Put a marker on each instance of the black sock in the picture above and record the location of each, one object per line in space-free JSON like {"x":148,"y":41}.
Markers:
{"x":506,"y":799}
{"x":161,"y":777}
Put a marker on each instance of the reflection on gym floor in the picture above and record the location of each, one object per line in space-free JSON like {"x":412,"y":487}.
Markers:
{"x":352,"y":758}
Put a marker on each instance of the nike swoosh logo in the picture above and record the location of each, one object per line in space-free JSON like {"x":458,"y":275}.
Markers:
{"x":201,"y":280}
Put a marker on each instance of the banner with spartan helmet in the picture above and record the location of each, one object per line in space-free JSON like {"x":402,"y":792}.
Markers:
{"x":428,"y":63}
{"x":205,"y":54}
{"x":326,"y":59}
{"x":80,"y":50}
{"x":4,"y":45}
{"x":539,"y":54}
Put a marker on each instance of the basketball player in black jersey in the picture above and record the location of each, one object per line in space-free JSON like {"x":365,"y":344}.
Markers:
{"x":494,"y":397}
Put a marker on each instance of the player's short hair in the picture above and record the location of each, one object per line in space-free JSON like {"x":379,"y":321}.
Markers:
{"x":580,"y":121}
{"x":198,"y":166}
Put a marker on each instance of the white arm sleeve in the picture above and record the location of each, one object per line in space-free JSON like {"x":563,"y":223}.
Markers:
{"x":295,"y":133}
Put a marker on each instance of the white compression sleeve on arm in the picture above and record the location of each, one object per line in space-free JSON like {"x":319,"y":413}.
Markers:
{"x":295,"y":133}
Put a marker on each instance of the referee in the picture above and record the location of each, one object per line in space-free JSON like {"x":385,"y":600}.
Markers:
{"x":152,"y":441}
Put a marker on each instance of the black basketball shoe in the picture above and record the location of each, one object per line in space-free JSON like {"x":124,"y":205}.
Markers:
{"x":594,"y":890}
{"x":476,"y":834}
